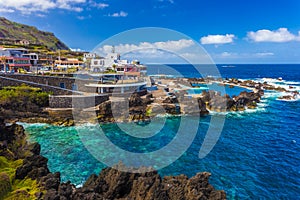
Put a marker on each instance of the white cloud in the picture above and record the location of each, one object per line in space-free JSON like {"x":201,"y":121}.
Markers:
{"x":119,"y":14}
{"x":172,"y":45}
{"x":77,"y":50}
{"x":226,"y":55}
{"x":234,"y":55}
{"x":264,"y":54}
{"x":170,"y":1}
{"x":29,"y":6}
{"x":40,"y":15}
{"x":98,"y":5}
{"x":172,"y":51}
{"x":182,"y":50}
{"x":280,"y":35}
{"x":217,"y":39}
{"x":84,"y":17}
{"x":5,"y":10}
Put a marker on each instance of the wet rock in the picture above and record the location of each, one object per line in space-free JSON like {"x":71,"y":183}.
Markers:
{"x":66,"y":190}
{"x":34,"y":167}
{"x":135,"y":100}
{"x":114,"y":184}
{"x":170,"y":99}
{"x":51,"y":181}
{"x":12,"y":141}
{"x":5,"y":185}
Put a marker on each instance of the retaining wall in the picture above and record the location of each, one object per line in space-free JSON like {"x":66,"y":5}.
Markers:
{"x":76,"y":101}
{"x":55,"y":84}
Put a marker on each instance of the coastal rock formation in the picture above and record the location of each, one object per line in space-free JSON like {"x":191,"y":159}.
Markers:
{"x":20,"y":162}
{"x":216,"y":102}
{"x":294,"y":95}
{"x":124,"y":109}
{"x":12,"y":141}
{"x":115,"y":184}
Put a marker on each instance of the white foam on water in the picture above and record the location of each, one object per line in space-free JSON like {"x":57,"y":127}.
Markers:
{"x":295,"y":98}
{"x":30,"y":124}
{"x":199,"y":88}
{"x":262,"y":104}
{"x":288,"y":85}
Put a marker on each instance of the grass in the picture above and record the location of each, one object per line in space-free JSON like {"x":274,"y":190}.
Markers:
{"x":20,"y":97}
{"x":13,"y":189}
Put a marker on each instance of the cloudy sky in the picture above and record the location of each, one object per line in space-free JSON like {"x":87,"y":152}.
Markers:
{"x":231,"y":31}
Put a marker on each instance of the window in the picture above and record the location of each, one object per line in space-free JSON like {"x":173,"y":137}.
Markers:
{"x":74,"y":87}
{"x":62,"y":85}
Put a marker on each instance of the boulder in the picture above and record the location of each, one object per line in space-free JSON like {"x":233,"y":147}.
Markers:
{"x":114,"y":184}
{"x":34,"y":167}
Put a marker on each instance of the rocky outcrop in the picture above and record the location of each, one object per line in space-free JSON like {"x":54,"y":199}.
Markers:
{"x":111,"y":183}
{"x":12,"y":141}
{"x":19,"y":160}
{"x":292,"y":96}
{"x":124,"y":109}
{"x":116,"y":184}
{"x":216,"y":102}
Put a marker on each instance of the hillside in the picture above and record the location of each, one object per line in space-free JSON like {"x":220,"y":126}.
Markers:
{"x":16,"y":34}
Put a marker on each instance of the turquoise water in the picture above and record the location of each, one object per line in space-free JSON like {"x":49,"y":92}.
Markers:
{"x":216,"y":87}
{"x":256,"y":156}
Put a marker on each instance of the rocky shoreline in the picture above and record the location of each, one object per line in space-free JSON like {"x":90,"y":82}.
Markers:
{"x":25,"y":175}
{"x":169,"y":98}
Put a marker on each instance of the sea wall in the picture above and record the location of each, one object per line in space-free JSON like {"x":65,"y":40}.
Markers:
{"x":76,"y":101}
{"x":57,"y":85}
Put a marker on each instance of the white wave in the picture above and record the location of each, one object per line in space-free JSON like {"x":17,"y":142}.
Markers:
{"x":264,"y":100}
{"x":272,"y":95}
{"x":227,"y":66}
{"x":281,"y":83}
{"x":294,"y":98}
{"x":199,"y":88}
{"x":289,"y":86}
{"x":288,"y":100}
{"x":292,"y":82}
{"x":32,"y":124}
{"x":262,"y":105}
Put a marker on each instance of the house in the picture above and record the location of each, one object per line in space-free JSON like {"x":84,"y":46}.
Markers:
{"x":12,"y":59}
{"x":66,"y":63}
{"x":22,"y":42}
{"x":102,"y":64}
{"x":34,"y":58}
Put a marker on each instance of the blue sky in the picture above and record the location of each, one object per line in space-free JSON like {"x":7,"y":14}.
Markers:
{"x":231,"y":31}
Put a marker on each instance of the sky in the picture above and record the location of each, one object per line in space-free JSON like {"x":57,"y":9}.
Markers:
{"x":230,"y":31}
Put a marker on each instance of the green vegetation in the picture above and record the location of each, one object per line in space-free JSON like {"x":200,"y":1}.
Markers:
{"x":23,"y":98}
{"x":11,"y":188}
{"x":15,"y":34}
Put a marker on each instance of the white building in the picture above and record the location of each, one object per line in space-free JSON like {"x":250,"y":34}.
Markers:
{"x":34,"y":58}
{"x":102,"y":64}
{"x":88,"y":56}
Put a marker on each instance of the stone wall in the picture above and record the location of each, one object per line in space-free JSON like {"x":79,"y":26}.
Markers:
{"x":5,"y":81}
{"x":55,"y":84}
{"x":76,"y":101}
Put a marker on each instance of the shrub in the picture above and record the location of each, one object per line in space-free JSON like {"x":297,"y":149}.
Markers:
{"x":23,"y":98}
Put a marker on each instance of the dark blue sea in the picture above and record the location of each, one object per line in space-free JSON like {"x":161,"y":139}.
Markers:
{"x":257,"y":155}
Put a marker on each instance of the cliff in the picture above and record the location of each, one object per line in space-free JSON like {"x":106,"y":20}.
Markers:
{"x":16,"y":34}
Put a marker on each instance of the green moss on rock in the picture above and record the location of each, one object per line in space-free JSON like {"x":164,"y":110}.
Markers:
{"x":11,"y":188}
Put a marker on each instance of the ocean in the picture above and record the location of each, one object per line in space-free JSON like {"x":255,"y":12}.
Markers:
{"x":256,"y":157}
